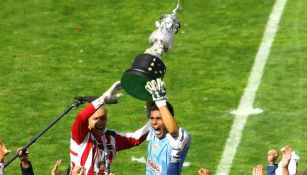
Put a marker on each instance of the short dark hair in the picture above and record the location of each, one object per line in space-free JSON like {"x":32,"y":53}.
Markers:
{"x":154,"y":107}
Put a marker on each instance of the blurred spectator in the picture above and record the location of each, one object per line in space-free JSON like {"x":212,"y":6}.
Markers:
{"x":3,"y":153}
{"x":25,"y":164}
{"x":272,"y":157}
{"x":258,"y":170}
{"x":78,"y":170}
{"x":204,"y":171}
{"x":288,"y":163}
{"x":54,"y":171}
{"x":293,"y":164}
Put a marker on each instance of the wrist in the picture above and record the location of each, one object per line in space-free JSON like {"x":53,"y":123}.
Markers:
{"x":160,"y":103}
{"x":25,"y":164}
{"x":98,"y":102}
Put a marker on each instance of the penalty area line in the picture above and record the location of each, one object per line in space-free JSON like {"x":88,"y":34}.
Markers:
{"x":245,"y":107}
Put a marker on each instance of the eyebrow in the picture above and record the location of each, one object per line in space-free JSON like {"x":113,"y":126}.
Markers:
{"x":156,"y":117}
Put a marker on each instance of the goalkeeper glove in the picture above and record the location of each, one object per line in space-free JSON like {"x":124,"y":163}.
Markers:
{"x":157,"y":89}
{"x":110,"y":95}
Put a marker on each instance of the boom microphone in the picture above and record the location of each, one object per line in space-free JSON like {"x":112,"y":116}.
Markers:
{"x":90,"y":99}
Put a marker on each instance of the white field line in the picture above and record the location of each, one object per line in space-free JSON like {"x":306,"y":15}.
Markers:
{"x":246,"y":103}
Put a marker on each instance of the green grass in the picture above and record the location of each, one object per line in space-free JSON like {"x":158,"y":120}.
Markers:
{"x":282,"y":96}
{"x":52,"y":51}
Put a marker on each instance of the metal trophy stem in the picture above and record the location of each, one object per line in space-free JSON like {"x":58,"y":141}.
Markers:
{"x":149,"y":65}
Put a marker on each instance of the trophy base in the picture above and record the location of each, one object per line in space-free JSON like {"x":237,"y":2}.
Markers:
{"x":134,"y":84}
{"x":145,"y":67}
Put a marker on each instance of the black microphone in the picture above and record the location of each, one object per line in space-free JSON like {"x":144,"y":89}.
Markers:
{"x":90,"y":99}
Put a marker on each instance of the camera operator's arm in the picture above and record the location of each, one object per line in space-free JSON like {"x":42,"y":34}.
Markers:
{"x":25,"y":164}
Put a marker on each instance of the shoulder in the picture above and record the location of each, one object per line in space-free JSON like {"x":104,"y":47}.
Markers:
{"x":184,"y":135}
{"x":182,"y":141}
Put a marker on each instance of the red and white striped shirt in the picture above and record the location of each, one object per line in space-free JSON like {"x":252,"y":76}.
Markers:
{"x":97,"y":154}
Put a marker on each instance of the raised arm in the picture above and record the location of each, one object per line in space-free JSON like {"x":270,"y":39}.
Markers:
{"x":157,"y":89}
{"x":129,"y":140}
{"x":80,"y":126}
{"x":286,"y":156}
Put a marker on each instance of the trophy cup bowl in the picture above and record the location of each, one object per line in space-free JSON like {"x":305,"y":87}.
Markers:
{"x":144,"y":68}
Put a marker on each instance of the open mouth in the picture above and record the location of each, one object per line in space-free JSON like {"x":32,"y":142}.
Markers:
{"x":99,"y":129}
{"x":158,"y":131}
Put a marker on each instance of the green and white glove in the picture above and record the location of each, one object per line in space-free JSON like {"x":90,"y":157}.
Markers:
{"x":157,"y":89}
{"x":109,"y":95}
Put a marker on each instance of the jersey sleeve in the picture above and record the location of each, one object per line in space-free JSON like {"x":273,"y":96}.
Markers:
{"x":80,"y":127}
{"x":129,"y":140}
{"x":181,"y":141}
{"x":180,"y":147}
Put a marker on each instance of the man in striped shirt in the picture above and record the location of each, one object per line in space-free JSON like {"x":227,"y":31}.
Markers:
{"x":92,"y":145}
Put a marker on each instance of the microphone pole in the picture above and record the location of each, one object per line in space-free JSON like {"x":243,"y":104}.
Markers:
{"x":75,"y":104}
{"x":89,"y":99}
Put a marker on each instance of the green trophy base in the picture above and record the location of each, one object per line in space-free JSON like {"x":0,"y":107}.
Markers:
{"x":145,"y":67}
{"x":134,"y":82}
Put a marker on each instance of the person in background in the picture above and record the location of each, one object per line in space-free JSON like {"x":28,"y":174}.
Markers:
{"x":289,"y":162}
{"x":25,"y":164}
{"x":55,"y":168}
{"x":272,"y":166}
{"x":78,"y":170}
{"x":258,"y":170}
{"x":204,"y":171}
{"x":3,"y":153}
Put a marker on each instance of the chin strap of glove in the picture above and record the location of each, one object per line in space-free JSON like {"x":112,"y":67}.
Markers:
{"x":110,"y":94}
{"x":157,"y":89}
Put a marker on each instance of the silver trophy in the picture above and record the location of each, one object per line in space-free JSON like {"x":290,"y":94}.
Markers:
{"x":161,"y":40}
{"x":149,"y":65}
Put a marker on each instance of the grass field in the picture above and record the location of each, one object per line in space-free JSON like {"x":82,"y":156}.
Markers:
{"x":52,"y":51}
